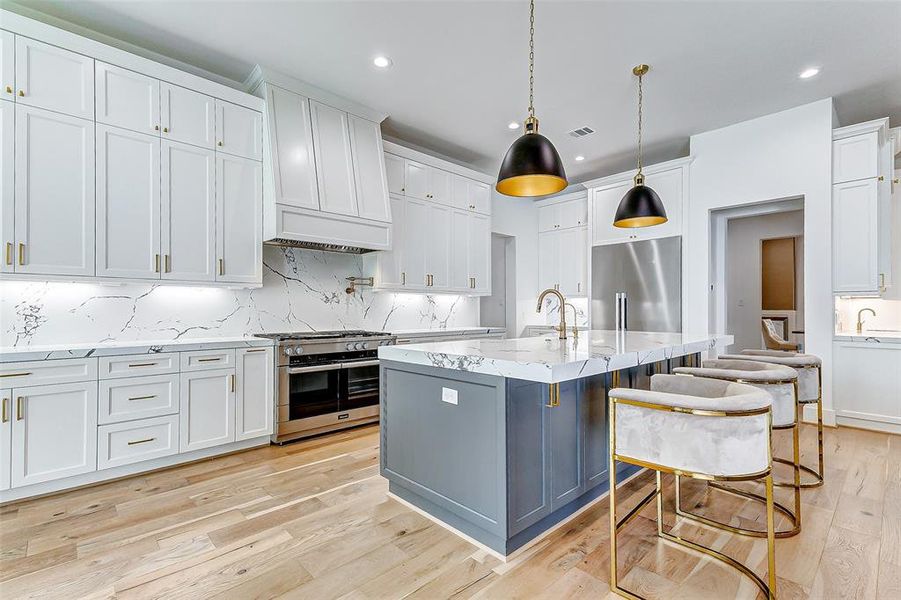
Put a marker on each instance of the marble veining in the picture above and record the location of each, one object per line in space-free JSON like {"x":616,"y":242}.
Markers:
{"x":872,"y":337}
{"x":550,"y":360}
{"x":303,"y":290}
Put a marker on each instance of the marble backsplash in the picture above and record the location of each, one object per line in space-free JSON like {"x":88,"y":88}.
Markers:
{"x":302,"y":290}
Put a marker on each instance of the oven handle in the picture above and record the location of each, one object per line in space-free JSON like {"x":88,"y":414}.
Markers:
{"x":360,"y":363}
{"x":313,"y":369}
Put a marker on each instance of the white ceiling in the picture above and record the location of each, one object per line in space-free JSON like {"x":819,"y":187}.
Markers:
{"x":460,"y":68}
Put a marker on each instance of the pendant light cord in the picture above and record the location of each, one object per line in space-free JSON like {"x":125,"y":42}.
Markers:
{"x":531,"y":57}
{"x":640,"y":98}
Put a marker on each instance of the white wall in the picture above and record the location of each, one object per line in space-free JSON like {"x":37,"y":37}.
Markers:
{"x":782,"y":155}
{"x":743,"y":272}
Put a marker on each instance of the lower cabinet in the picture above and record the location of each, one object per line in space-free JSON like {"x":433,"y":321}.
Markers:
{"x":54,"y":432}
{"x":867,"y":385}
{"x":133,"y":441}
{"x":254,"y":407}
{"x":6,"y":397}
{"x":206,"y":409}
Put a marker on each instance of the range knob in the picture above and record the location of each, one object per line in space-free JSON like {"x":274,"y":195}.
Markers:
{"x":298,"y":349}
{"x":358,"y":346}
{"x":350,"y":346}
{"x":365,"y":345}
{"x":288,"y":351}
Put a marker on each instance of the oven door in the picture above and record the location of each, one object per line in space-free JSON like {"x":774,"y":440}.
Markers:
{"x":310,"y":391}
{"x":359,"y":384}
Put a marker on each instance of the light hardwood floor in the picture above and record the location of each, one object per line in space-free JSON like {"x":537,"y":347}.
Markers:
{"x":311,"y":520}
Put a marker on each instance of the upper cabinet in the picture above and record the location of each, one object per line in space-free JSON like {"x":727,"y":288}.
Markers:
{"x":334,"y":165}
{"x":563,"y":244}
{"x":862,"y":163}
{"x":190,"y":117}
{"x":563,"y":214}
{"x":52,"y":78}
{"x":127,"y":99}
{"x":7,"y":65}
{"x":7,"y":186}
{"x":291,"y":136}
{"x":671,"y":182}
{"x":239,"y":210}
{"x":369,"y":169}
{"x":239,"y":130}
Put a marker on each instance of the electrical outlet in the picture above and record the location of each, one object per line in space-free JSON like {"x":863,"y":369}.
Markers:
{"x":449,"y":395}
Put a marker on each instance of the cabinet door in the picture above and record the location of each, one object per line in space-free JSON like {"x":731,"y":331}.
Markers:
{"x":417,"y":238}
{"x":854,"y":236}
{"x":369,"y":169}
{"x":188,"y":238}
{"x":189,"y":116}
{"x":206,"y":409}
{"x":573,"y":213}
{"x":855,"y":157}
{"x":394,"y":167}
{"x":7,"y":66}
{"x":604,"y":203}
{"x":480,"y":197}
{"x":239,"y":130}
{"x":53,"y":78}
{"x":668,"y":185}
{"x":6,"y":405}
{"x":391,"y":262}
{"x":868,"y":382}
{"x":479,"y":244}
{"x":416,"y":180}
{"x":440,"y":185}
{"x":128,"y":204}
{"x":292,"y":149}
{"x":460,"y":274}
{"x":573,"y":251}
{"x":7,"y":185}
{"x":54,"y":193}
{"x":334,"y":166}
{"x":549,"y":217}
{"x":548,"y":259}
{"x":54,"y":432}
{"x":239,"y":219}
{"x":565,"y":425}
{"x":255,"y":393}
{"x":528,"y":463}
{"x":438,"y":246}
{"x":127,"y":99}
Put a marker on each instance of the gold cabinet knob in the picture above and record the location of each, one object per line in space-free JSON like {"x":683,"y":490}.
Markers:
{"x":219,"y":144}
{"x":881,"y":178}
{"x":165,"y":130}
{"x":9,"y":89}
{"x":21,"y":92}
{"x":156,"y":127}
{"x":896,"y":180}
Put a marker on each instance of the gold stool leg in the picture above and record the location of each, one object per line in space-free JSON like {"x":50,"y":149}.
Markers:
{"x":817,"y":475}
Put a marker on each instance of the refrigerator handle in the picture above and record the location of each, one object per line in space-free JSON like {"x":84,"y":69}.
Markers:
{"x":625,"y":311}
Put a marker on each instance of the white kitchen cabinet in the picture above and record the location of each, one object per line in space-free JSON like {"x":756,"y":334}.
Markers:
{"x":54,"y":197}
{"x":479,"y":253}
{"x":563,"y":214}
{"x":127,"y":99}
{"x":293,"y":162}
{"x":239,"y":130}
{"x":471,"y":195}
{"x":239,"y":227}
{"x":604,"y":202}
{"x":417,"y":237}
{"x":855,"y":157}
{"x":128,"y":204}
{"x":370,"y":180}
{"x":390,"y":263}
{"x":440,"y":184}
{"x":416,"y":180}
{"x":255,"y":401}
{"x":394,"y":168}
{"x":132,"y":398}
{"x":548,"y":260}
{"x":52,"y":78}
{"x":867,"y":384}
{"x":7,"y":66}
{"x":460,"y":273}
{"x":207,"y":409}
{"x":190,"y":117}
{"x":54,"y":432}
{"x":6,"y":406}
{"x":334,"y":162}
{"x":438,"y":246}
{"x":131,"y":442}
{"x":7,"y":185}
{"x":563,"y":260}
{"x":188,"y":207}
{"x":854,"y":236}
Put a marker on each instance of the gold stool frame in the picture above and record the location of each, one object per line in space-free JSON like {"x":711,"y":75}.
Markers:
{"x":793,"y":516}
{"x":818,"y":476}
{"x":767,"y":587}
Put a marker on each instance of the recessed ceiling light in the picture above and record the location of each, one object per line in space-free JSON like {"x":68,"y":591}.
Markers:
{"x":512,"y":125}
{"x":580,"y":158}
{"x":808,"y":73}
{"x":382,"y":62}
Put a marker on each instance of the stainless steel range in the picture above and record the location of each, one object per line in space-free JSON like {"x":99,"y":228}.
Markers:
{"x":327,"y":380}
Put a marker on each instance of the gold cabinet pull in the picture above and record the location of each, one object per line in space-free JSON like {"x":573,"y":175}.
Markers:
{"x":168,"y":264}
{"x":5,"y":410}
{"x":882,"y":178}
{"x":214,"y":359}
{"x":9,"y":253}
{"x":151,"y":396}
{"x":231,"y":382}
{"x":20,"y":408}
{"x":156,"y":263}
{"x":403,"y":278}
{"x":144,"y":441}
{"x":257,"y":350}
{"x":21,"y":253}
{"x":22,"y":374}
{"x":222,"y":266}
{"x":21,"y":93}
{"x":150,"y":364}
{"x":553,"y":395}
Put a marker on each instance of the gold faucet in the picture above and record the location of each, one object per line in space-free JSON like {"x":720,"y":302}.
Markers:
{"x":562,"y":327}
{"x":575,"y":320}
{"x":860,"y":321}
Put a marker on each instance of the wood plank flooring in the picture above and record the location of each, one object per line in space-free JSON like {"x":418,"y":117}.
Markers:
{"x":311,"y":520}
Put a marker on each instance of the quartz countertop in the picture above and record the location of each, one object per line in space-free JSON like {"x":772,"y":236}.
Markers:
{"x":887,"y":337}
{"x":547,"y":359}
{"x":56,"y":351}
{"x":446,"y":331}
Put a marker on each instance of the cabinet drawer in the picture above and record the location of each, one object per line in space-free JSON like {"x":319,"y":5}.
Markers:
{"x":137,"y":398}
{"x":40,"y":372}
{"x":126,"y":443}
{"x":207,"y":359}
{"x":138,"y":364}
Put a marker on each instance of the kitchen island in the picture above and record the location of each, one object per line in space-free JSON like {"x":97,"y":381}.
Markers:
{"x":501,"y":440}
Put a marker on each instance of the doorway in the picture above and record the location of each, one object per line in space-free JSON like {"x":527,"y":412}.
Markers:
{"x":498,"y":309}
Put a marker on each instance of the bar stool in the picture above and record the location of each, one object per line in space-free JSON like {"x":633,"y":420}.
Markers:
{"x":781,"y":383}
{"x":810,"y":390}
{"x":692,"y":427}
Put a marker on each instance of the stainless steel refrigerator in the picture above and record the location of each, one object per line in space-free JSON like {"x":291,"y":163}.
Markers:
{"x":649,"y":273}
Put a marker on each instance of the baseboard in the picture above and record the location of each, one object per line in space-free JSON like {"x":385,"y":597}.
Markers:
{"x":810,"y":415}
{"x":869,"y":425}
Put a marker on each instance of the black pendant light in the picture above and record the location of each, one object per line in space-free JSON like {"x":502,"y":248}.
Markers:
{"x":531,"y":166}
{"x":641,"y":206}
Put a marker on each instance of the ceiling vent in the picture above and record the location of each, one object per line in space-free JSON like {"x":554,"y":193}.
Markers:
{"x":581,"y":132}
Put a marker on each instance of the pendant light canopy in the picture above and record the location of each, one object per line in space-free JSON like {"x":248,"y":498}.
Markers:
{"x":532,"y":166}
{"x":641,"y":206}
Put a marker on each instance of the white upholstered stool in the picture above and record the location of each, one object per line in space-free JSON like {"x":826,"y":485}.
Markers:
{"x":692,"y":427}
{"x":810,"y":390}
{"x":781,"y":383}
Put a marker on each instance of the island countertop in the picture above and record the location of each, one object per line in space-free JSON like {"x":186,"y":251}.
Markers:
{"x":547,"y":359}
